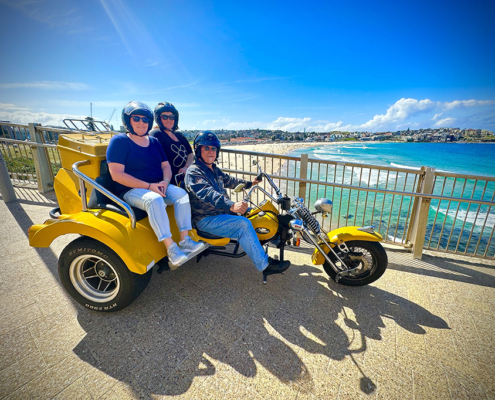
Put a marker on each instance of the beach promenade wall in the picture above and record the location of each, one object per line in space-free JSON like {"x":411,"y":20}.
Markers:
{"x":417,"y":209}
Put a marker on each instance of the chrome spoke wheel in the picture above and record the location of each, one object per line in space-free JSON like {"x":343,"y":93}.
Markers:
{"x":364,"y":261}
{"x":360,"y":261}
{"x":94,"y":278}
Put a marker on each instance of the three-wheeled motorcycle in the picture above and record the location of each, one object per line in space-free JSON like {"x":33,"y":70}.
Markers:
{"x":111,"y":263}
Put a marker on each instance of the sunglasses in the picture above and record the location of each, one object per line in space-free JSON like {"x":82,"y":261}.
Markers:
{"x":165,"y":117}
{"x":208,"y":148}
{"x":135,"y":118}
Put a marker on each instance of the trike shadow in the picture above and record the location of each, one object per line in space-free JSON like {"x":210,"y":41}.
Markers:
{"x":217,"y":315}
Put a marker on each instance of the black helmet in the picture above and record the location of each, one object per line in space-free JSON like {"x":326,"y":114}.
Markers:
{"x":136,"y":108}
{"x":206,"y":138}
{"x":166,"y":107}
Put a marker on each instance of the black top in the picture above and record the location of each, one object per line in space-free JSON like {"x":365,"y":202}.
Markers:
{"x":207,"y":190}
{"x":176,"y":152}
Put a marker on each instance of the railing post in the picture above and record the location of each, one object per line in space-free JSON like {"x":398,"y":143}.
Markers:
{"x":6,"y":188}
{"x":303,"y":174}
{"x":421,"y":215}
{"x":41,"y":162}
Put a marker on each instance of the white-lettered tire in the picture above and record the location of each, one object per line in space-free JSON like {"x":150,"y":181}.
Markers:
{"x":96,"y":277}
{"x":369,"y":258}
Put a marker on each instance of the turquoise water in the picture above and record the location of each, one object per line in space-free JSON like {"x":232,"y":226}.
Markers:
{"x":460,"y":158}
{"x":451,"y":225}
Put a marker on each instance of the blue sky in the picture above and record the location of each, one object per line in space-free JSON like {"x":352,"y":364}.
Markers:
{"x":323,"y":66}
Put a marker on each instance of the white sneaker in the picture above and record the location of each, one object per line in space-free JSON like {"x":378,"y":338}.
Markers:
{"x":190,"y":246}
{"x":175,"y":256}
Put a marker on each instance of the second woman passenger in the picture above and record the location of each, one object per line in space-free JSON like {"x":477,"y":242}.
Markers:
{"x":175,"y":145}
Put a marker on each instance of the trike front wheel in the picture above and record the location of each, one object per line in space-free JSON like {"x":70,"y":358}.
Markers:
{"x":96,"y":277}
{"x":368,"y":260}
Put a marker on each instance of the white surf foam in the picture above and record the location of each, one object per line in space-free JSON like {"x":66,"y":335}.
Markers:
{"x":404,"y":166}
{"x":471,"y":217}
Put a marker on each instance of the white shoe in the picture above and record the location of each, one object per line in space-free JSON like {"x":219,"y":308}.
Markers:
{"x":190,"y":246}
{"x":175,"y":256}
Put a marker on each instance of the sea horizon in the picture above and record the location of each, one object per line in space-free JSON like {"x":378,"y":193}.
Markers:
{"x":468,"y":158}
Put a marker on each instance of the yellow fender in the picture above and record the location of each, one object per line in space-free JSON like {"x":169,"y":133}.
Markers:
{"x":344,"y":234}
{"x":138,"y":248}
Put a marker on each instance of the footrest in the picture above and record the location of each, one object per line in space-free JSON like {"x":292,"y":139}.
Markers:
{"x":189,"y":255}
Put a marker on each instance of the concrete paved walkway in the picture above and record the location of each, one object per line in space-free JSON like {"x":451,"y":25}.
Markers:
{"x":212,"y":330}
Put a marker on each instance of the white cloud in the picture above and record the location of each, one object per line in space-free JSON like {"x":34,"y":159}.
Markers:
{"x":466,"y":103}
{"x":289,"y":124}
{"x":329,"y":127}
{"x":436,"y":116}
{"x":50,"y":85}
{"x":282,"y":123}
{"x":24,"y":117}
{"x":299,"y":124}
{"x":445,"y":122}
{"x":8,"y":106}
{"x":401,"y":110}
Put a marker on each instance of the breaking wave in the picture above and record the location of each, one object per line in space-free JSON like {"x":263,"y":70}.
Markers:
{"x":404,"y":166}
{"x":472,"y":217}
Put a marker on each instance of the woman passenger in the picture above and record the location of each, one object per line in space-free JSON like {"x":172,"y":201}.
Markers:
{"x":175,"y":145}
{"x":142,"y":177}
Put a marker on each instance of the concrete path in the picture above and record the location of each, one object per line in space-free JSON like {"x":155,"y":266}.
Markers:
{"x":212,"y":330}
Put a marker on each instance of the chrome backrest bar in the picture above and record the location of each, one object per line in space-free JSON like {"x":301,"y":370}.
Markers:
{"x":84,"y":178}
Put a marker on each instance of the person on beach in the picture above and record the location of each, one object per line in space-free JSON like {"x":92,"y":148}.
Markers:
{"x":213,"y":211}
{"x":175,"y":145}
{"x":142,"y":174}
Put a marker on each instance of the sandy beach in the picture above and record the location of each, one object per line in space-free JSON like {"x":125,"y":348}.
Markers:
{"x":270,"y":165}
{"x":277,"y":148}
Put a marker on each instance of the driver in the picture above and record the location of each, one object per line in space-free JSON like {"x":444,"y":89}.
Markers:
{"x":213,"y":211}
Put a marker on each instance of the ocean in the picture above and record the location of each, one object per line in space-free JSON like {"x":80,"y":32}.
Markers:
{"x":459,"y":158}
{"x":451,"y":225}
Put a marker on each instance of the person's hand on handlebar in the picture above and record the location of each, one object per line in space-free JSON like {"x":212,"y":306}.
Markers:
{"x":257,"y":180}
{"x":239,"y":207}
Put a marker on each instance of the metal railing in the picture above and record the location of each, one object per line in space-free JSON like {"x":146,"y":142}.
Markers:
{"x":456,"y":215}
{"x":423,"y":208}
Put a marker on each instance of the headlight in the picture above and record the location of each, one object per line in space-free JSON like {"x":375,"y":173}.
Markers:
{"x":323,"y":205}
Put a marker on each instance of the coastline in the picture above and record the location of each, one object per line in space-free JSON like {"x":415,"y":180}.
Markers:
{"x":285,"y":148}
{"x":470,"y":160}
{"x":277,"y":148}
{"x":271,"y":168}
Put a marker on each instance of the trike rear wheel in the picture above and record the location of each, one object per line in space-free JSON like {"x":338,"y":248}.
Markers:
{"x":96,"y":277}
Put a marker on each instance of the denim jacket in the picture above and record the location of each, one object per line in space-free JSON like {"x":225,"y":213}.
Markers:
{"x":207,"y":190}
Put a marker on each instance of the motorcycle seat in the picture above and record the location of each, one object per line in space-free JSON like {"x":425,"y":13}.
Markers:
{"x":204,"y":234}
{"x":207,"y":235}
{"x":99,"y":200}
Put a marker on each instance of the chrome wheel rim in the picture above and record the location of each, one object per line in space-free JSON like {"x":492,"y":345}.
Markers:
{"x":364,"y":264}
{"x":94,"y":278}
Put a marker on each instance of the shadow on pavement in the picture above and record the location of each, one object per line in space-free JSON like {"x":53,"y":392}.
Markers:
{"x":446,"y":268}
{"x":191,"y":322}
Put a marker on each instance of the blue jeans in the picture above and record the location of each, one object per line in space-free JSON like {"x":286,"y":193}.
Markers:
{"x":155,"y":206}
{"x":236,"y":227}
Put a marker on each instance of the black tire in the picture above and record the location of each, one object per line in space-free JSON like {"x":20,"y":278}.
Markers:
{"x":373,"y":260}
{"x":96,"y":277}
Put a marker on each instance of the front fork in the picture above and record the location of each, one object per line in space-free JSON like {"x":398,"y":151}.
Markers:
{"x":342,"y":246}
